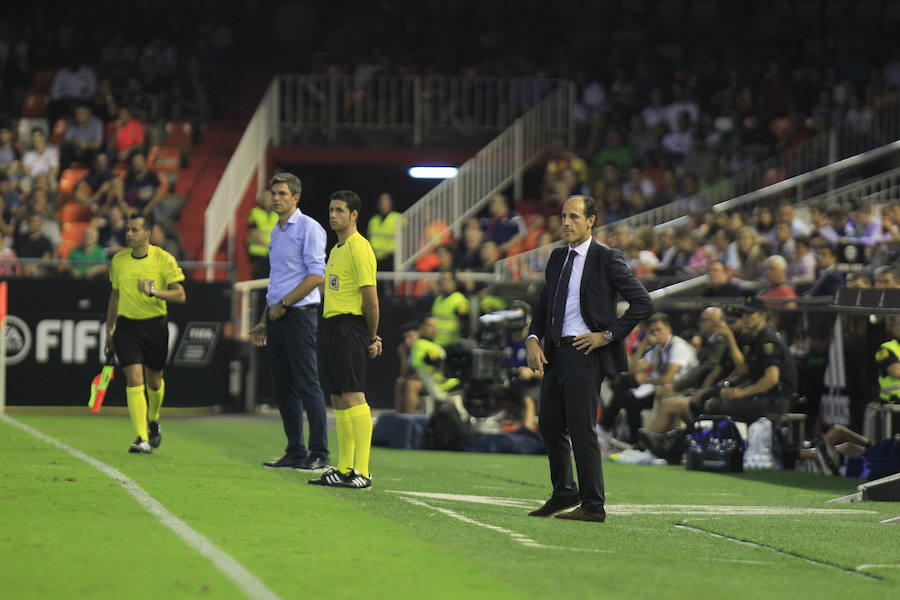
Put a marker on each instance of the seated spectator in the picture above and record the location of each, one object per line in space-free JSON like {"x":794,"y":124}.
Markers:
{"x":124,"y":136}
{"x":784,"y":241}
{"x":159,"y":237}
{"x":641,"y":261}
{"x":830,"y":279}
{"x":764,"y":221}
{"x":505,"y":228}
{"x":642,"y":141}
{"x":76,"y":81}
{"x":867,"y":228}
{"x":112,"y":234}
{"x":678,"y":260}
{"x":720,"y":285}
{"x":744,"y":255}
{"x":886,"y":276}
{"x":802,"y":267}
{"x":720,"y":242}
{"x":9,"y":154}
{"x":38,"y":204}
{"x":87,"y":260}
{"x":821,"y":226}
{"x":489,"y":254}
{"x":614,"y":208}
{"x":143,"y":191}
{"x":613,"y":152}
{"x":34,"y":244}
{"x":42,"y":157}
{"x":554,"y":226}
{"x":786,"y":213}
{"x":467,"y":256}
{"x":83,"y":138}
{"x":658,"y":360}
{"x":678,"y":141}
{"x":859,"y":279}
{"x":775,"y":285}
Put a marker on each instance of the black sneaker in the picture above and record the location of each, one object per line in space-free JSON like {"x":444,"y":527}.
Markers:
{"x":356,"y":480}
{"x":331,"y":477}
{"x":140,"y":447}
{"x":312,"y":463}
{"x":285,"y":462}
{"x":155,"y":436}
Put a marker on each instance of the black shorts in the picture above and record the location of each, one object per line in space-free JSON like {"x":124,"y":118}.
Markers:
{"x":142,"y":341}
{"x":343,"y":354}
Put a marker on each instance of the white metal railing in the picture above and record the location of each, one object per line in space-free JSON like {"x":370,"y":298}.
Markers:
{"x":249,"y":159}
{"x":412,"y":109}
{"x":495,"y":167}
{"x":530,"y":264}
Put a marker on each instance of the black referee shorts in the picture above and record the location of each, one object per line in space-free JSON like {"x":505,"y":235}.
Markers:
{"x":142,"y":341}
{"x":343,"y":353}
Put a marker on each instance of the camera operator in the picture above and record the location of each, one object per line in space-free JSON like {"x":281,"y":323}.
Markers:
{"x":525,"y":383}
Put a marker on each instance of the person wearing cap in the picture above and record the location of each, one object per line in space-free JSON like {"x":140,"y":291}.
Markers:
{"x":769,"y":378}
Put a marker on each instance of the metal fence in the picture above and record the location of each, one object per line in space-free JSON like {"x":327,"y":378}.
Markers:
{"x":495,"y":167}
{"x":404,"y":109}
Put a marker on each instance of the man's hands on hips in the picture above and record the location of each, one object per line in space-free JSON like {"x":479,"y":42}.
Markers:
{"x":590,"y":341}
{"x":535,"y":354}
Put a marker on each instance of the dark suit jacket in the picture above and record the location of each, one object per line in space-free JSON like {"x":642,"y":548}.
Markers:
{"x":827,"y":284}
{"x":604,"y":277}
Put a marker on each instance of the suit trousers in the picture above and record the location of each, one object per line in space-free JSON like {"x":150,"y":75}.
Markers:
{"x":570,"y":394}
{"x":295,"y":379}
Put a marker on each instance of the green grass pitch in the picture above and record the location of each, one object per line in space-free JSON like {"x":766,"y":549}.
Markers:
{"x":436,"y":525}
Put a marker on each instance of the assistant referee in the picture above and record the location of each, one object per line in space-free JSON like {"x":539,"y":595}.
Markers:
{"x":349,"y":335}
{"x":144,"y":278}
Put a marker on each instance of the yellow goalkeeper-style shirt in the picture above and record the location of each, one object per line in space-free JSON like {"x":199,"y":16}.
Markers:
{"x":350,"y":266}
{"x":125,"y":271}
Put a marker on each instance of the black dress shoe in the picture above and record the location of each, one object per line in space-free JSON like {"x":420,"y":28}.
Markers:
{"x":555,"y":504}
{"x":580,"y":514}
{"x":285,"y":462}
{"x":312,"y":463}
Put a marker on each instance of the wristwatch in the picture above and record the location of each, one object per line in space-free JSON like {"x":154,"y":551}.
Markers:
{"x":608,"y":335}
{"x":152,"y":291}
{"x":282,"y":304}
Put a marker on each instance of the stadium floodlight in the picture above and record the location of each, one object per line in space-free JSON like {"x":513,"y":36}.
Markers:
{"x":432,"y":172}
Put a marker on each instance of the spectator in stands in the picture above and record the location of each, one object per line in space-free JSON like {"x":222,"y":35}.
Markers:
{"x":489,"y":254}
{"x":775,"y":285}
{"x":613,"y":152}
{"x":678,"y":141}
{"x":867,"y":227}
{"x":744,"y":255}
{"x":784,"y":241}
{"x":720,"y":284}
{"x":143,"y":190}
{"x":382,"y":232}
{"x":467,"y":256}
{"x":112,"y":234}
{"x":802,"y":267}
{"x":9,"y":154}
{"x":87,"y":260}
{"x":38,"y":204}
{"x":887,"y":359}
{"x":408,"y":386}
{"x":786,"y":213}
{"x":658,"y":360}
{"x":554,"y":226}
{"x":160,"y":237}
{"x":642,"y":141}
{"x":564,"y":161}
{"x":821,"y":226}
{"x":450,"y":310}
{"x":666,"y":250}
{"x":764,"y":221}
{"x":505,"y":228}
{"x":830,"y":279}
{"x":76,"y":81}
{"x":124,"y":136}
{"x":859,"y":279}
{"x":260,"y":222}
{"x":886,"y":276}
{"x":83,"y":138}
{"x":34,"y":244}
{"x":42,"y":157}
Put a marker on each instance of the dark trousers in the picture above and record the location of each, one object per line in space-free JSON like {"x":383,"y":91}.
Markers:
{"x":570,"y":393}
{"x":623,"y":397}
{"x":295,"y":379}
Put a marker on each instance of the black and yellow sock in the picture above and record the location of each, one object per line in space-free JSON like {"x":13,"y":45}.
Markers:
{"x":137,"y":408}
{"x":345,"y":440}
{"x":361,"y":418}
{"x":155,"y":400}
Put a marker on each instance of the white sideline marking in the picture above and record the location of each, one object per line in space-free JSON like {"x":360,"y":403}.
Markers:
{"x":776,"y":550}
{"x":892,"y":520}
{"x":232,"y":569}
{"x":643,"y":509}
{"x":521,"y":538}
{"x":864,"y":567}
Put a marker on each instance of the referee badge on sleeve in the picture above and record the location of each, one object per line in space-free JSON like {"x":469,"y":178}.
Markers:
{"x":333,"y":282}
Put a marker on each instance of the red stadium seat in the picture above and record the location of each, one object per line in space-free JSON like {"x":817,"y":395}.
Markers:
{"x":72,"y":233}
{"x":165,"y":158}
{"x":35,"y":105}
{"x":42,"y":81}
{"x":69,"y":179}
{"x":75,"y":212}
{"x":59,"y":130}
{"x":178,"y":133}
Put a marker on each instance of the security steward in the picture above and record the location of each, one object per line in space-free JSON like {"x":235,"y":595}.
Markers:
{"x":449,"y":310}
{"x":888,"y":361}
{"x":144,"y":279}
{"x":769,"y":378}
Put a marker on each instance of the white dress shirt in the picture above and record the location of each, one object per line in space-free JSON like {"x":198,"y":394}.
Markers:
{"x":573,"y":322}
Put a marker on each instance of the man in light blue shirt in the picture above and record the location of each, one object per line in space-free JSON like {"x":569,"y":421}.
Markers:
{"x":289,"y":323}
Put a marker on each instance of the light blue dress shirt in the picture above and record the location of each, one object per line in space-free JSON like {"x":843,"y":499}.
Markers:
{"x":294,"y":253}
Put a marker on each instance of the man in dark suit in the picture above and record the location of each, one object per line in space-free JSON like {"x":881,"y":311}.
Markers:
{"x":830,"y":279}
{"x":575,"y":334}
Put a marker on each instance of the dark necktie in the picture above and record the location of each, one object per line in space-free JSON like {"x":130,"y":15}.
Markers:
{"x":559,"y":300}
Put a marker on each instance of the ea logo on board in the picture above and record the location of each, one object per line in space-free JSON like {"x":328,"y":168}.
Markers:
{"x":18,"y":340}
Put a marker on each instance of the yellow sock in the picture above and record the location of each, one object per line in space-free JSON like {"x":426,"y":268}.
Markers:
{"x":155,"y":400}
{"x":345,"y":440}
{"x":137,"y":408}
{"x":361,"y":417}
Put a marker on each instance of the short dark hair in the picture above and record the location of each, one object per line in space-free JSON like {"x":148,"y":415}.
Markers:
{"x":659,"y":317}
{"x":351,"y":199}
{"x":148,"y":221}
{"x":292,"y":181}
{"x":590,"y":206}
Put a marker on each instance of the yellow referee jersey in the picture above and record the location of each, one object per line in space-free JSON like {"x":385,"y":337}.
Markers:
{"x":350,"y":266}
{"x":125,"y":271}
